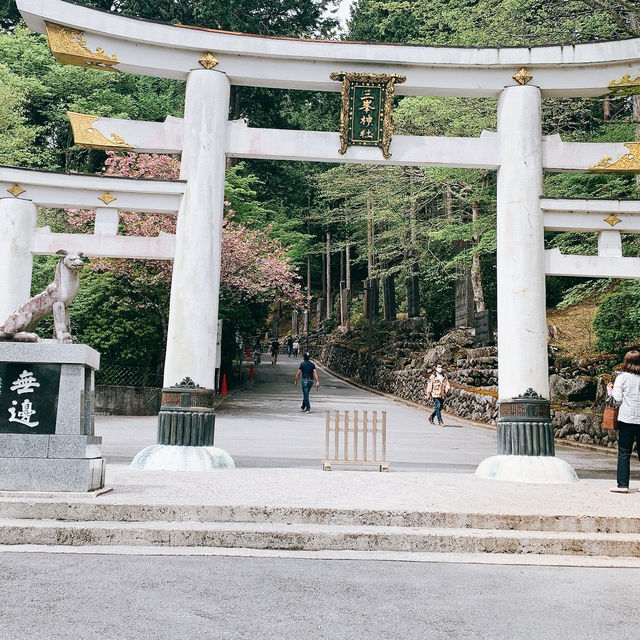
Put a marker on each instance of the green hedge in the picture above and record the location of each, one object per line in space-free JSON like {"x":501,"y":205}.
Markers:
{"x":617,"y":322}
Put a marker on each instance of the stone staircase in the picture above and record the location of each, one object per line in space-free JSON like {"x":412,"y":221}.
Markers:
{"x":81,"y":523}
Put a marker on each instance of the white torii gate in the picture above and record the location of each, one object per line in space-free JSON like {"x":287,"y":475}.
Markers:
{"x":210,"y":61}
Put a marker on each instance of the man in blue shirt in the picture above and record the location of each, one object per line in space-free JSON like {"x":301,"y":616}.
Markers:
{"x":309,"y":374}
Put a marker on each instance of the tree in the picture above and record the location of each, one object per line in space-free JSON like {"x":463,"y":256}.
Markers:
{"x":293,"y":18}
{"x":625,"y":14}
{"x":41,"y":91}
{"x":255,"y":268}
{"x":482,"y":22}
{"x":617,"y":321}
{"x":18,"y":138}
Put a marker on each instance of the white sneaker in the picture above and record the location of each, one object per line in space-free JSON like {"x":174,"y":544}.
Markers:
{"x":619,"y":489}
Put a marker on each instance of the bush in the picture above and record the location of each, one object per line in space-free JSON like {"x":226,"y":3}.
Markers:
{"x":617,"y":322}
{"x":329,"y":324}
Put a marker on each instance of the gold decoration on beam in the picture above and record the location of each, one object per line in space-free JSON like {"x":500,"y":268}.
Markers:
{"x":69,"y":47}
{"x":85,"y":135}
{"x":208,"y":60}
{"x":523,"y":76}
{"x":612,"y":220}
{"x":372,"y":95}
{"x":107,"y":198}
{"x":627,"y":163}
{"x":16,"y":190}
{"x":626,"y":86}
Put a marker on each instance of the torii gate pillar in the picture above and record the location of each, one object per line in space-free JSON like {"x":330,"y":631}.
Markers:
{"x":525,"y":434}
{"x":17,"y":228}
{"x":195,"y":285}
{"x":185,"y":431}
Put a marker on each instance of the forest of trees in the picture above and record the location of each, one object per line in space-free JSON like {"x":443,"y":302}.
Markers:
{"x":431,"y":224}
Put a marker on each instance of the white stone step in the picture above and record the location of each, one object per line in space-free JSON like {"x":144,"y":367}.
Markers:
{"x":85,"y":511}
{"x":313,"y":537}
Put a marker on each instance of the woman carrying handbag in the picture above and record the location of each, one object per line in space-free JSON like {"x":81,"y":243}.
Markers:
{"x":626,"y":393}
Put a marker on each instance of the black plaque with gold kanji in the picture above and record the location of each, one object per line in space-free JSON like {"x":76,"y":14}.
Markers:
{"x":366,"y":115}
{"x":367,"y":106}
{"x":28,"y":397}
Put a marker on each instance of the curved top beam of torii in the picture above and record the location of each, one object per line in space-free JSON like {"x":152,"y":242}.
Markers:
{"x":107,"y":40}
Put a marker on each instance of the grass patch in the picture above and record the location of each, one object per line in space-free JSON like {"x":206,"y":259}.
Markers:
{"x":571,"y":330}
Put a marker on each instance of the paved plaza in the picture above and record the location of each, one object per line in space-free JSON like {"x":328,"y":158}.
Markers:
{"x":261,"y":426}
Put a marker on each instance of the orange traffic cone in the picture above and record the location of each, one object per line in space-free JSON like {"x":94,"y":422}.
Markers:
{"x":251,"y":371}
{"x":223,"y":389}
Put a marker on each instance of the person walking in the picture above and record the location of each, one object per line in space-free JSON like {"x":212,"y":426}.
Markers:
{"x":257,"y":350}
{"x":626,"y":392}
{"x":275,"y":347}
{"x":296,"y":348}
{"x":438,"y":388}
{"x":289,"y":346}
{"x":309,"y":374}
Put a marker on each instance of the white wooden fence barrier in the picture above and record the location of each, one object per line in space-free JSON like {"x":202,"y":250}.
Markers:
{"x":363,"y":441}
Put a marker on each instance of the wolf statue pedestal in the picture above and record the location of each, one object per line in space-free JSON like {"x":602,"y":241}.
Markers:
{"x":47,"y":440}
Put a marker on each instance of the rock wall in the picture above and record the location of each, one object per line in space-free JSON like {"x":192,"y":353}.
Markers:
{"x":410,"y":382}
{"x":577,"y":393}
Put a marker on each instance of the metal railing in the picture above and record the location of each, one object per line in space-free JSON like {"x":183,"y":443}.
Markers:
{"x":115,"y":375}
{"x":363,"y":441}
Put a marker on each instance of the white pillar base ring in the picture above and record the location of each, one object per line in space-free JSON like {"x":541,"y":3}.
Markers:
{"x":534,"y":469}
{"x":164,"y":457}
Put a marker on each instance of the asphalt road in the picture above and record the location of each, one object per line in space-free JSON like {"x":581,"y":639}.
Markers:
{"x":262,"y":426}
{"x":56,"y":597}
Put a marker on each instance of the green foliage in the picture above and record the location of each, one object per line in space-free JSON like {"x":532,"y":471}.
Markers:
{"x":437,"y":116}
{"x":329,"y":324}
{"x":18,"y":137}
{"x":37,"y":92}
{"x":298,"y":18}
{"x":617,"y":321}
{"x":376,"y":333}
{"x":473,"y":23}
{"x":113,"y":317}
{"x":241,"y":190}
{"x":587,"y":291}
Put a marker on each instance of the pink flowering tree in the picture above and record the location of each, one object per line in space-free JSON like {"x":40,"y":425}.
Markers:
{"x":255,"y":268}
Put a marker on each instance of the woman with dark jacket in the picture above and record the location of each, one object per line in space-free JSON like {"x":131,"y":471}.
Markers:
{"x":626,"y":392}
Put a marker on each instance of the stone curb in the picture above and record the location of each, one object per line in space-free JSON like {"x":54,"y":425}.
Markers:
{"x":504,"y":559}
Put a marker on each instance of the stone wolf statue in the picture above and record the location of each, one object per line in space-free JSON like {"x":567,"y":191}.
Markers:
{"x":55,"y":299}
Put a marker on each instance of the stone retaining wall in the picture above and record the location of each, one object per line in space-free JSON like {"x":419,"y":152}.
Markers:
{"x":474,"y":383}
{"x":128,"y":401}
